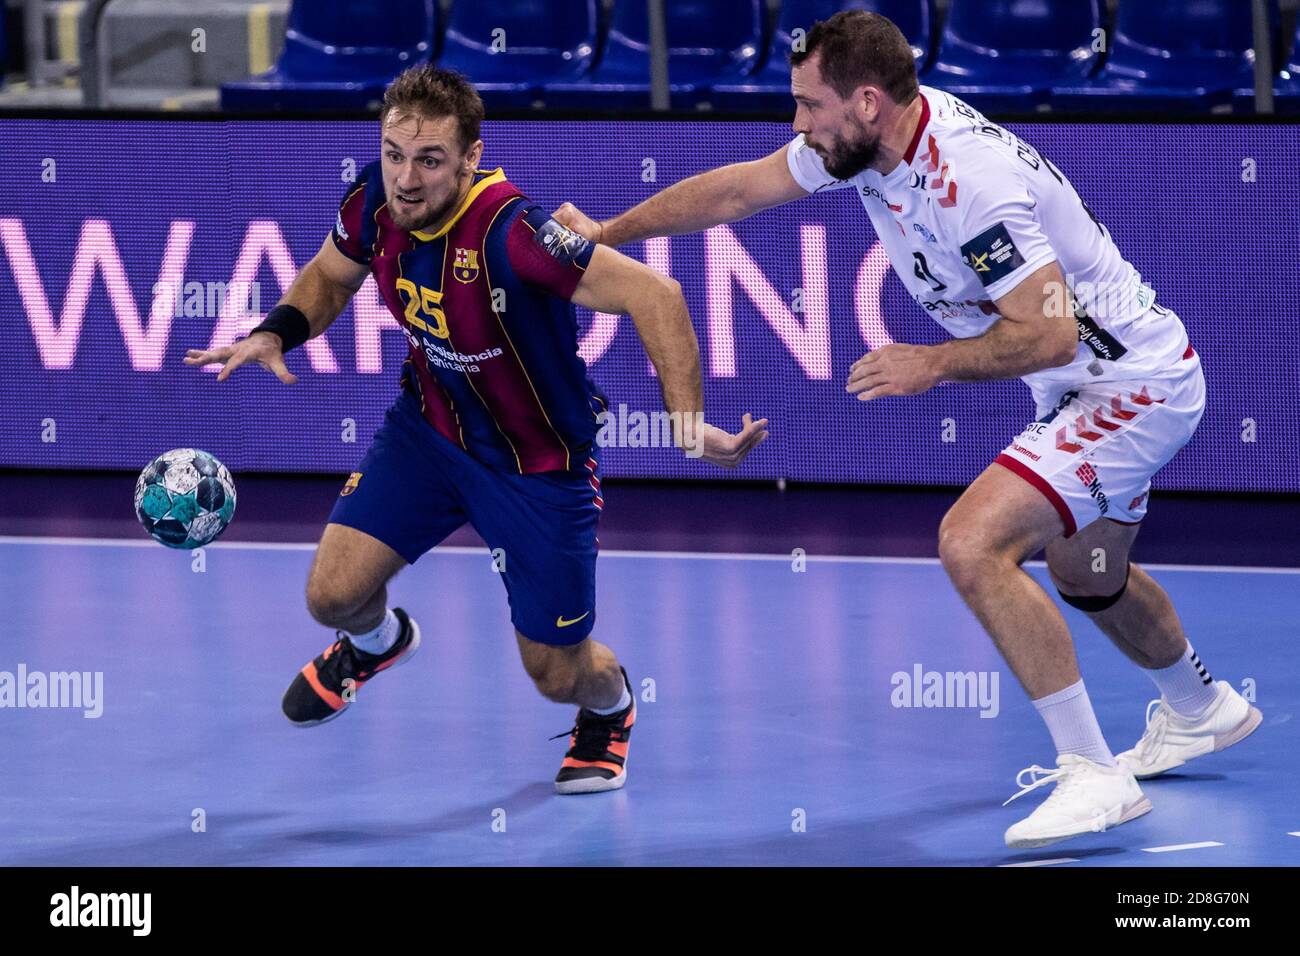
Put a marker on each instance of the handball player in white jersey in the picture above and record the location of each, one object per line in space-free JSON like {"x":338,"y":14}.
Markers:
{"x":993,"y":242}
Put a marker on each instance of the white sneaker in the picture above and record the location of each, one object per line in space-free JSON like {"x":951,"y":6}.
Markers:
{"x":1088,"y":798}
{"x":1171,"y":739}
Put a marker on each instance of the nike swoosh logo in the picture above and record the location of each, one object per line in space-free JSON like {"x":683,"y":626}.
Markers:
{"x":561,"y":622}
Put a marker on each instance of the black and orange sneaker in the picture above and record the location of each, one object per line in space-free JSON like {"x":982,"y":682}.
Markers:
{"x":320,"y":691}
{"x":597,"y":757}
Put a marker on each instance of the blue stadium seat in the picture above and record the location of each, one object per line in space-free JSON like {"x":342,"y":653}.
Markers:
{"x":1286,"y":89}
{"x":1170,"y":54}
{"x":540,"y":41}
{"x":340,"y":56}
{"x":769,"y":88}
{"x":709,"y":42}
{"x":1009,"y":54}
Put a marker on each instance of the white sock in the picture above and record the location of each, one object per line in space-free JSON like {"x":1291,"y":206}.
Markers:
{"x":1186,"y":684}
{"x":623,"y":701}
{"x":1073,"y":725}
{"x":381,"y":638}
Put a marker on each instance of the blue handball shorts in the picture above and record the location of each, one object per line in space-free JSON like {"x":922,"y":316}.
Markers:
{"x":414,"y":487}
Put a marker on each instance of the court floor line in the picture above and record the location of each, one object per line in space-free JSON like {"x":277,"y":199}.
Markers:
{"x":1179,"y":846}
{"x":662,"y":555}
{"x":1055,"y":862}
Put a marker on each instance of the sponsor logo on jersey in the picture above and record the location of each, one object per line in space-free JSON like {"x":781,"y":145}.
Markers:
{"x":926,"y":233}
{"x":1088,"y":475}
{"x":871,"y":192}
{"x":992,"y":255}
{"x":1025,"y":451}
{"x":465,"y":266}
{"x":1103,"y":344}
{"x":338,"y":226}
{"x":450,"y":359}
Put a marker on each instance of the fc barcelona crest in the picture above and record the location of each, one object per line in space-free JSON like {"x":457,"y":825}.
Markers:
{"x":465,"y":265}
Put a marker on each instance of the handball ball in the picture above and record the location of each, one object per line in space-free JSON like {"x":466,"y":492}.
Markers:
{"x":185,"y":498}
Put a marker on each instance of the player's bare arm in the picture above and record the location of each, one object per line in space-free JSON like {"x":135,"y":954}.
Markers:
{"x":617,"y":284}
{"x":321,"y":291}
{"x":726,"y":194}
{"x":1027,"y":338}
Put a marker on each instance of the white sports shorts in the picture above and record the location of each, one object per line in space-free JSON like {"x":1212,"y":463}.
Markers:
{"x":1093,"y":455}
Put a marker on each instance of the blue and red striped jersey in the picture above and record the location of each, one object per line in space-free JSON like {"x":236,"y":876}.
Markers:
{"x":484,"y":303}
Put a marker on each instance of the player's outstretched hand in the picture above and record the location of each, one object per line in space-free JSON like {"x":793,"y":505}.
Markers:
{"x":727,"y":450}
{"x":260,"y":347}
{"x":577,"y":220}
{"x":894,"y":369}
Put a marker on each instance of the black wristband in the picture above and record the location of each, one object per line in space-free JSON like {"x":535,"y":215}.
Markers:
{"x":289,"y":324}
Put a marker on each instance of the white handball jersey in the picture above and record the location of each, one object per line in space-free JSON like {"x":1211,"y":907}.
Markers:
{"x":972,"y":211}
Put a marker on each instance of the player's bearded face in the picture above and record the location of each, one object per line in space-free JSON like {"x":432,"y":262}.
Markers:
{"x":850,"y":152}
{"x":417,"y":208}
{"x":422,"y":186}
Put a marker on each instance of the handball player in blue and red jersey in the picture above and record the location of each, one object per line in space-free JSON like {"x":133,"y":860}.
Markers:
{"x":496,"y":421}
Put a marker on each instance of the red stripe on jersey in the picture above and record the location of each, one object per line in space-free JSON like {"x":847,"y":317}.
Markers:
{"x":1083,"y":431}
{"x":932,"y":159}
{"x":1063,"y":444}
{"x":1117,"y":409}
{"x":436,"y":404}
{"x":1100,"y":420}
{"x":349,"y":217}
{"x":502,"y":383}
{"x":921,"y":123}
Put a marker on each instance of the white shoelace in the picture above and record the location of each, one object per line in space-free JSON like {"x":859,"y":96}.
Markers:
{"x":1064,"y":777}
{"x":1154,"y":736}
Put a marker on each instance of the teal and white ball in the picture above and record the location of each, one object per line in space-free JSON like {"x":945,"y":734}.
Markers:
{"x":185,"y":498}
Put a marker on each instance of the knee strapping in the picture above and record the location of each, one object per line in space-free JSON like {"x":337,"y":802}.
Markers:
{"x":1093,"y":603}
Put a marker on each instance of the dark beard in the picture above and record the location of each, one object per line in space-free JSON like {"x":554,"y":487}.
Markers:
{"x":847,"y":159}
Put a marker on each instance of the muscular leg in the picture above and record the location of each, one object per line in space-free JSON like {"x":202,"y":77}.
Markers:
{"x":998,"y":523}
{"x":346,"y":588}
{"x":1196,"y":716}
{"x":1142,"y":623}
{"x":586,"y":674}
{"x":995,"y":525}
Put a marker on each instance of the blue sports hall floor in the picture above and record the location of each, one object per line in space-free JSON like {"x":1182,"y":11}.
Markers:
{"x":769,"y":728}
